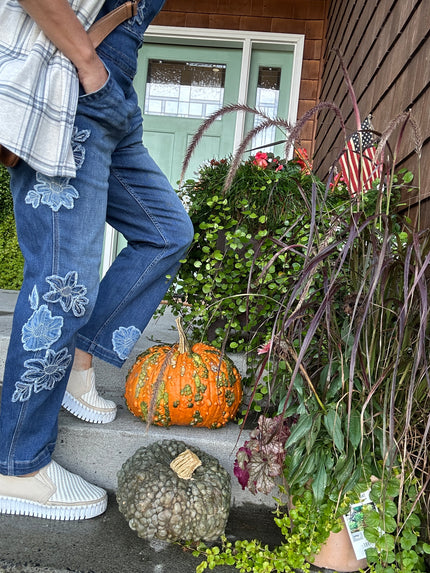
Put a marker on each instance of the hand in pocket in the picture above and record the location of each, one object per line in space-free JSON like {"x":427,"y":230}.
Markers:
{"x":93,"y":76}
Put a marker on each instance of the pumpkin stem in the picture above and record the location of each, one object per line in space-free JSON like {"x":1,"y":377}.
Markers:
{"x":184,"y":345}
{"x":185,"y":464}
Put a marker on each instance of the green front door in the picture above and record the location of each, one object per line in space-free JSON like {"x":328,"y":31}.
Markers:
{"x":269,"y":91}
{"x":178,"y":86}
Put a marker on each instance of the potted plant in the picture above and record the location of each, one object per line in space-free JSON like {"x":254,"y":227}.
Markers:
{"x":347,"y":370}
{"x":351,"y":382}
{"x":233,"y":277}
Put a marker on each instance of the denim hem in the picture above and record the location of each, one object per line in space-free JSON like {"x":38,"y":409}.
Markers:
{"x":27,"y":467}
{"x":98,"y":351}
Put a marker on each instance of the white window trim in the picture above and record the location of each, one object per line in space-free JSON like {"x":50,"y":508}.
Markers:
{"x":244,"y":40}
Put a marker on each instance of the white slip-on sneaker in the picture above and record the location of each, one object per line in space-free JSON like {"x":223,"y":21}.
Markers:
{"x":82,"y":400}
{"x":52,"y":493}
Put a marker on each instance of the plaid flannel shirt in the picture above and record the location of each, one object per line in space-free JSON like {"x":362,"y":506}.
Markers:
{"x":39,"y":90}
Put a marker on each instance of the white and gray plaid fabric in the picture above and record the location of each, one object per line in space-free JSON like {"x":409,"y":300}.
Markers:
{"x":39,"y":90}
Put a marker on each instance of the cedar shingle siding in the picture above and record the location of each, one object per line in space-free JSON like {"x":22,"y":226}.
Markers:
{"x":279,"y":16}
{"x":386,"y":48}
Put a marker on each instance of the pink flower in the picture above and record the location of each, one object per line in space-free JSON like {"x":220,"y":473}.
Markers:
{"x":265,"y":348}
{"x":261,"y":160}
{"x":279,"y":168}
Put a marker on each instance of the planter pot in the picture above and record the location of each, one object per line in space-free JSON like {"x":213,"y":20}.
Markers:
{"x":337,"y":553}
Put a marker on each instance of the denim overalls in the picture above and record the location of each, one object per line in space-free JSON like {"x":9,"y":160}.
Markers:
{"x":60,"y":225}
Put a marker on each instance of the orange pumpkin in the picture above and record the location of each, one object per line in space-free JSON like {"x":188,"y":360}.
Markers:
{"x":194,"y":386}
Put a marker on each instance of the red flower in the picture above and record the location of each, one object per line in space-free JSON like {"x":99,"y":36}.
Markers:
{"x":261,"y":160}
{"x":302,"y":158}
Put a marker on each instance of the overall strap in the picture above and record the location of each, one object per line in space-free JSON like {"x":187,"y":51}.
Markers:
{"x":103,"y":27}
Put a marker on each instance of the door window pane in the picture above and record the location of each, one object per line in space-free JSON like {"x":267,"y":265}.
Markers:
{"x":267,"y":100}
{"x":184,"y":89}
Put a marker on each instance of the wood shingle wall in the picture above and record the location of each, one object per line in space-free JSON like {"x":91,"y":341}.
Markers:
{"x":386,"y":48}
{"x":280,"y":16}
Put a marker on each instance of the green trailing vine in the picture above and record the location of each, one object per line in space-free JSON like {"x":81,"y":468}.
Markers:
{"x":394,"y":526}
{"x":312,"y":525}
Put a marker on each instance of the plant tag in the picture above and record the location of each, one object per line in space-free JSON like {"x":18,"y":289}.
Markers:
{"x":354,"y":521}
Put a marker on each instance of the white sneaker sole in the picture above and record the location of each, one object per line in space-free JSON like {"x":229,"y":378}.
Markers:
{"x":84,"y":413}
{"x":14,"y":506}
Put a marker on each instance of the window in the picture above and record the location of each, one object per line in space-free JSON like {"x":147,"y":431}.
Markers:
{"x":184,"y":89}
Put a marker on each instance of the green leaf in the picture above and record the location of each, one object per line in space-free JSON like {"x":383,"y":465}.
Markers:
{"x":300,"y":429}
{"x":389,"y":524}
{"x":390,"y":508}
{"x":312,"y":435}
{"x":408,"y":177}
{"x":333,"y":424}
{"x":385,"y":542}
{"x":392,"y":487}
{"x":355,"y":429}
{"x":372,"y":555}
{"x":371,"y":534}
{"x":373,"y":519}
{"x":319,"y":484}
{"x":408,"y":539}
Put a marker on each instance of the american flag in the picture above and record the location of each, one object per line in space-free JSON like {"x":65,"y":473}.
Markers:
{"x":357,"y":162}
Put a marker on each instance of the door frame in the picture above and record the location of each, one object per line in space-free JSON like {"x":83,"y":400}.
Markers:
{"x":244,"y":40}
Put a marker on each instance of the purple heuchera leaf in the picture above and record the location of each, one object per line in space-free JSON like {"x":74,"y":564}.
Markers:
{"x":260,"y":460}
{"x":240,"y":465}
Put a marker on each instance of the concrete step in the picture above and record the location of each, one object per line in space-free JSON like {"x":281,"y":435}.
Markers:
{"x":97,"y":451}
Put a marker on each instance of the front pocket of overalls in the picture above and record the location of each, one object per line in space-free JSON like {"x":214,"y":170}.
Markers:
{"x":107,"y":105}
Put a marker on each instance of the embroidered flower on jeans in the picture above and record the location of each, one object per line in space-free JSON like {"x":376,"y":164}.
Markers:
{"x":68,"y":293}
{"x":33,"y":198}
{"x":42,"y":374}
{"x":34,"y":299}
{"x":124,"y":339}
{"x":41,"y":330}
{"x":55,"y":192}
{"x":78,"y":137}
{"x":22,"y":392}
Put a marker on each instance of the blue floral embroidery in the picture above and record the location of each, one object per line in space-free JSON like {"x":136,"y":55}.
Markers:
{"x":22,"y":392}
{"x":55,"y":192}
{"x":68,"y":293}
{"x":33,"y":198}
{"x":34,"y":298}
{"x":79,"y":137}
{"x":42,"y":374}
{"x":124,"y":339}
{"x":41,"y":330}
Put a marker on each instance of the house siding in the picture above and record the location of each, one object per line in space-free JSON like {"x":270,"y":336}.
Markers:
{"x":386,"y":49}
{"x":286,"y":16}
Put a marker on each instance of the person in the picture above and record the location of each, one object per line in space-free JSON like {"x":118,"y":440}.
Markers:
{"x":80,"y":167}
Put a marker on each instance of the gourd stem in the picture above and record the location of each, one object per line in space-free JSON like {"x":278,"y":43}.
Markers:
{"x":184,"y":345}
{"x":185,"y":464}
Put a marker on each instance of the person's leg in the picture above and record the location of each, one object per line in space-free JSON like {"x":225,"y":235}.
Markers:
{"x":60,"y":224}
{"x":143,"y":206}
